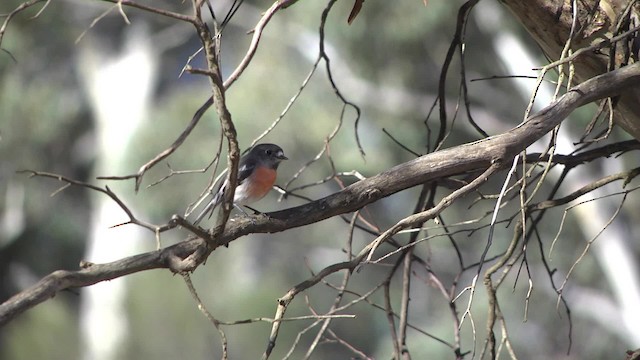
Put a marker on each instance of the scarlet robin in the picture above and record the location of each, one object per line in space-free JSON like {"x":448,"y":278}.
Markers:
{"x":257,"y":172}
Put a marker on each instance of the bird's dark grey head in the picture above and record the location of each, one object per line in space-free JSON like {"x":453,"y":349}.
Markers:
{"x":270,"y":151}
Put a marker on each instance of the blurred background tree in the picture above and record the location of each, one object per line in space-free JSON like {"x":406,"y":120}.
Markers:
{"x":88,"y":91}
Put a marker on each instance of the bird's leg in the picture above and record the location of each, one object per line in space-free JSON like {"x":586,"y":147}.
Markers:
{"x":241,"y":209}
{"x":255,"y":212}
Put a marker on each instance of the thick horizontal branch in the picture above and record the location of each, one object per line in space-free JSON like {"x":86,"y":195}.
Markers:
{"x":475,"y":156}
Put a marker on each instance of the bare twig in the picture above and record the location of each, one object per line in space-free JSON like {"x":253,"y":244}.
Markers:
{"x":20,"y":8}
{"x":203,"y":309}
{"x":456,"y":44}
{"x":105,"y":190}
{"x":153,"y":10}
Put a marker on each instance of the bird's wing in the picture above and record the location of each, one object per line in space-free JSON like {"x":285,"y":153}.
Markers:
{"x":245,"y":169}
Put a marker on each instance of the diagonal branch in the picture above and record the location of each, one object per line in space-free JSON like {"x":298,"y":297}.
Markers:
{"x":475,"y":156}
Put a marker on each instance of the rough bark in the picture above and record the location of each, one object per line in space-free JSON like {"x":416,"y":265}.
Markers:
{"x":549,"y":23}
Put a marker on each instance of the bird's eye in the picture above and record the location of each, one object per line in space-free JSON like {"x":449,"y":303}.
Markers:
{"x":268,"y":152}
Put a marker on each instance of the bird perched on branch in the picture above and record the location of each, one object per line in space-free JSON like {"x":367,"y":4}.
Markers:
{"x":257,"y":173}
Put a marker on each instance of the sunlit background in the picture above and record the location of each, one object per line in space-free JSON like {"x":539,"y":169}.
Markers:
{"x":84,"y":94}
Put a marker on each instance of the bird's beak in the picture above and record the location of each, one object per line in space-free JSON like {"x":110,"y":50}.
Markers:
{"x":280,"y":156}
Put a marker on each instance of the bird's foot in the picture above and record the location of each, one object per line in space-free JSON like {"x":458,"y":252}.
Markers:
{"x":255,"y":212}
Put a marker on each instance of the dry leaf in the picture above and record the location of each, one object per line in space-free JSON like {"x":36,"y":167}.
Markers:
{"x":357,"y":5}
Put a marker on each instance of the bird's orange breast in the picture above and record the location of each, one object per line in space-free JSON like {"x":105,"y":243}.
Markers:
{"x":261,"y":181}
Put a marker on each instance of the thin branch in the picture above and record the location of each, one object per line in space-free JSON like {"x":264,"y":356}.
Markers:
{"x":255,"y":40}
{"x":211,"y":45}
{"x":203,"y":309}
{"x":404,"y":307}
{"x":429,"y":214}
{"x":105,"y":190}
{"x":463,"y":14}
{"x":16,"y":11}
{"x":627,"y":176}
{"x":284,"y":301}
{"x":388,"y":309}
{"x":323,"y":54}
{"x":164,"y":154}
{"x":153,"y":10}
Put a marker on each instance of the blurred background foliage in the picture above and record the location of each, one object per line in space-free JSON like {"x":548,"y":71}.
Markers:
{"x":387,"y":62}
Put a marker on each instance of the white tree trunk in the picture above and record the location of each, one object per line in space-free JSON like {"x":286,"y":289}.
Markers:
{"x":120,"y":87}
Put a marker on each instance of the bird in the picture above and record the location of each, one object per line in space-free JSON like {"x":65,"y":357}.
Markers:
{"x":257,"y":173}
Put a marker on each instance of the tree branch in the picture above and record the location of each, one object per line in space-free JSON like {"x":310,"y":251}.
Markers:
{"x":475,"y":156}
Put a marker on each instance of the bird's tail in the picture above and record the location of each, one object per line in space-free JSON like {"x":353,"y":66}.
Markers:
{"x":209,"y":208}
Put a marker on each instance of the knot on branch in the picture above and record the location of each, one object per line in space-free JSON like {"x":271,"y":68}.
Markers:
{"x":180,"y":265}
{"x":372,"y":193}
